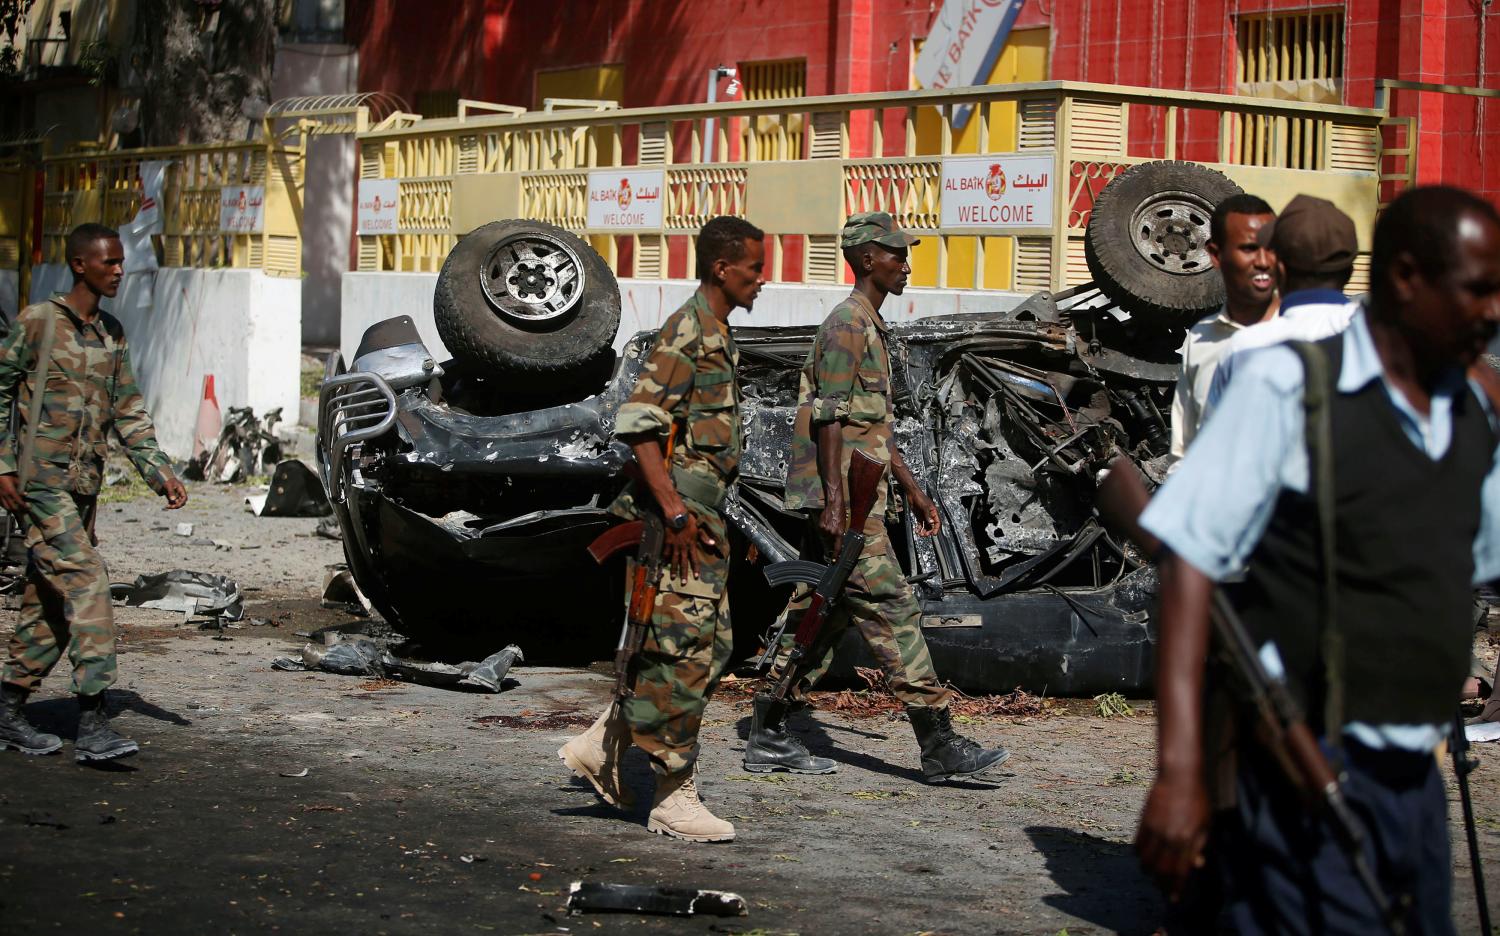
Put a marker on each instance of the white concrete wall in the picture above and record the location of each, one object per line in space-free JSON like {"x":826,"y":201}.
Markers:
{"x":645,"y":304}
{"x":242,"y":326}
{"x":10,"y":294}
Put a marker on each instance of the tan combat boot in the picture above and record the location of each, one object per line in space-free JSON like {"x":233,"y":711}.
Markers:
{"x":679,"y":813}
{"x":595,"y":756}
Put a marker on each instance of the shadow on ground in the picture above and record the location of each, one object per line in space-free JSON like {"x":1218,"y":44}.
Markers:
{"x":1101,"y":880}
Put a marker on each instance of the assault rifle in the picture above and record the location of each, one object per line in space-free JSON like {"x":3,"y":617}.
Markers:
{"x":648,"y":536}
{"x":863,"y":487}
{"x":1281,"y":725}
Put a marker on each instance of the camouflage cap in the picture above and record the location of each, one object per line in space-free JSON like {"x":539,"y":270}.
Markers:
{"x":875,"y":227}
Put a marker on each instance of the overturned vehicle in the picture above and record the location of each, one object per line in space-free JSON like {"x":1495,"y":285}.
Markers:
{"x":467,"y":490}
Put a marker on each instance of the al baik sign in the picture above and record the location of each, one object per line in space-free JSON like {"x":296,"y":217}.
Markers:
{"x":626,"y":200}
{"x":961,"y":48}
{"x":241,"y":209}
{"x":379,"y":206}
{"x":997,"y":191}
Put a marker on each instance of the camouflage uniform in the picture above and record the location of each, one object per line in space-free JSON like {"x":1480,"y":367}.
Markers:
{"x":90,"y":389}
{"x":847,"y":380}
{"x":687,"y":387}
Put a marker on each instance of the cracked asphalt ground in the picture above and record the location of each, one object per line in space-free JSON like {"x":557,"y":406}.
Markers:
{"x":423,"y":810}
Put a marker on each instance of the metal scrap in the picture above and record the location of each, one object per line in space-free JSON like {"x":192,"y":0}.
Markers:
{"x":194,"y":594}
{"x":595,"y":897}
{"x":246,"y":446}
{"x":368,"y":658}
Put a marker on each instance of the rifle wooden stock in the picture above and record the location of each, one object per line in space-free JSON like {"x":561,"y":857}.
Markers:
{"x":864,"y":486}
{"x":646,"y":536}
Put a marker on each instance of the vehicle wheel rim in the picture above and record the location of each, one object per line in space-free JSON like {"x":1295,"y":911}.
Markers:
{"x":1170,"y":229}
{"x":532,"y":277}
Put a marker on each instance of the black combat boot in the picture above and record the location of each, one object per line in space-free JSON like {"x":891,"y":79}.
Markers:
{"x":771,"y":747}
{"x":15,"y":731}
{"x":96,"y":740}
{"x":945,"y":753}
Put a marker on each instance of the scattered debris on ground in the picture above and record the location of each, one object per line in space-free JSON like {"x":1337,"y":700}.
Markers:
{"x":246,"y":446}
{"x":594,"y":897}
{"x":340,"y":593}
{"x":539,"y":721}
{"x":876,"y":699}
{"x":295,"y":491}
{"x":1112,"y":705}
{"x":367,"y":657}
{"x":193,"y":594}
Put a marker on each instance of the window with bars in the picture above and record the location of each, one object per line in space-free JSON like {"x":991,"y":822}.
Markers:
{"x":1295,"y":56}
{"x":770,"y":138}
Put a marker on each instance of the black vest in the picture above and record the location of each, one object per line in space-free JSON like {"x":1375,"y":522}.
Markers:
{"x":1405,"y":528}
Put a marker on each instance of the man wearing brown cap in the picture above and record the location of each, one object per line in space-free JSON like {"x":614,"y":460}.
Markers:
{"x":844,"y":405}
{"x":1315,"y":246}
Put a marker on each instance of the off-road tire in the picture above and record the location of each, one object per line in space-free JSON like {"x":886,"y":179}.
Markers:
{"x":545,"y":354}
{"x":1173,"y":290}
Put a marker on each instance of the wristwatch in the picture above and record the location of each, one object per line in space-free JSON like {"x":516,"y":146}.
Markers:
{"x":677,"y":522}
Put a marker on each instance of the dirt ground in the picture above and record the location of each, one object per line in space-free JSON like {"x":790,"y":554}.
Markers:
{"x":269,"y":801}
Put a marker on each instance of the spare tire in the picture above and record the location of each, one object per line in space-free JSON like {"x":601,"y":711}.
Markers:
{"x":1147,"y":241}
{"x":528,"y":299}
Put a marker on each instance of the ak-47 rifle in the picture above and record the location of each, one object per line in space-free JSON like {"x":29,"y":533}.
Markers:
{"x":864,"y":485}
{"x":1122,"y":497}
{"x":648,"y":536}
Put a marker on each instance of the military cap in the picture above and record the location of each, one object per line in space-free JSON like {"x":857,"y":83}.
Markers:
{"x":875,"y":227}
{"x":1311,"y":235}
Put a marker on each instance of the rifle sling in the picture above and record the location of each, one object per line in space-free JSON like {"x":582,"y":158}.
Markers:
{"x":1318,"y":433}
{"x":26,"y":460}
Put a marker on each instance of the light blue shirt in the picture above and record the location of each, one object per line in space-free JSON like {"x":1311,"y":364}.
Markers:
{"x":1215,"y":507}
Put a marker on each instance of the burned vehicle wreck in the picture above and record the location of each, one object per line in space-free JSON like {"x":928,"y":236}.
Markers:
{"x":467,"y":490}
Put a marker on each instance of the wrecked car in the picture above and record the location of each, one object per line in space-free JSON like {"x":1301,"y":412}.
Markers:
{"x":467,"y":490}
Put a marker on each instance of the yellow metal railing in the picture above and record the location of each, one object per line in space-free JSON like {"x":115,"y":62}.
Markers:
{"x":858,"y":152}
{"x":105,"y":187}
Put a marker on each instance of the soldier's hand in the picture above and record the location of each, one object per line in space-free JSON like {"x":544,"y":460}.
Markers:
{"x":833,"y":521}
{"x":682,"y":557}
{"x":926,"y":512}
{"x":176,"y":494}
{"x":1173,"y":831}
{"x":10,"y":494}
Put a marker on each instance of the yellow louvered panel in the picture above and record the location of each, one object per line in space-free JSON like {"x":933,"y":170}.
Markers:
{"x":1097,"y":128}
{"x":824,"y":262}
{"x":369,"y":255}
{"x":1033,"y":264}
{"x":1038,"y":125}
{"x":649,"y":257}
{"x":655,"y":148}
{"x":828,"y":136}
{"x":1076,"y":272}
{"x":1356,"y":148}
{"x":1359,"y":280}
{"x":283,"y":255}
{"x":1294,"y":56}
{"x":468,"y":154}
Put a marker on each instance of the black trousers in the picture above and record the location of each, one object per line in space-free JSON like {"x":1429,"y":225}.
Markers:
{"x":1284,"y":872}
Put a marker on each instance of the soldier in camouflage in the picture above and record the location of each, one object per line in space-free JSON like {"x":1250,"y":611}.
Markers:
{"x":686,"y":401}
{"x":51,"y":466}
{"x":844,"y":405}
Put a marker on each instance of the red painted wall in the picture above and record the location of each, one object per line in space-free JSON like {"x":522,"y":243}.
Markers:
{"x":492,"y":49}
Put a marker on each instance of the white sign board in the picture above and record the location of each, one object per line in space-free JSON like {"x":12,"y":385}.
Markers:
{"x":379,"y":206}
{"x":961,"y":48}
{"x":241,"y":209}
{"x":626,"y":199}
{"x":998,"y":191}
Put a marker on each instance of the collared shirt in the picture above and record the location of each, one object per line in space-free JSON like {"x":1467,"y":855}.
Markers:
{"x":1201,"y":351}
{"x":847,"y":380}
{"x":1214,"y":509}
{"x":687,"y":383}
{"x":90,"y":390}
{"x":1306,"y":315}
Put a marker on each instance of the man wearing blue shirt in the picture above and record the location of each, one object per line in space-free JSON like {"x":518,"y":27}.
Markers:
{"x":1417,"y":521}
